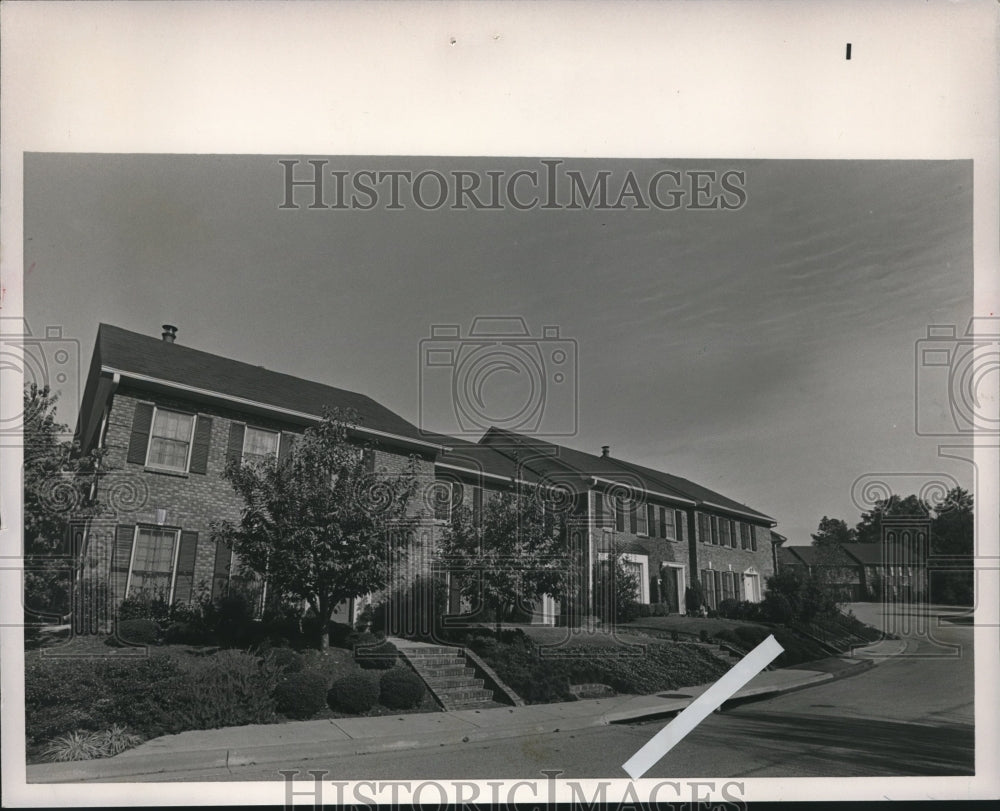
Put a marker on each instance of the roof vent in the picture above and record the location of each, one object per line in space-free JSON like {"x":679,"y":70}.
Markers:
{"x":605,"y":450}
{"x":169,"y":333}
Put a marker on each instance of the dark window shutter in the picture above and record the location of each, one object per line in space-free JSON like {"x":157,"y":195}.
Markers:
{"x":651,"y":520}
{"x":142,"y":421}
{"x":234,"y":454}
{"x":121,"y":558}
{"x":680,"y":521}
{"x":663,"y":522}
{"x":184,"y":582}
{"x":285,"y":446}
{"x":620,"y":514}
{"x":598,"y":509}
{"x":633,"y":519}
{"x":718,"y":583}
{"x":477,"y":505}
{"x":220,"y":574}
{"x":202,"y":441}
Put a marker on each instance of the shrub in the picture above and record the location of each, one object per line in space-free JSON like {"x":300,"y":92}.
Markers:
{"x":703,"y":635}
{"x":643,"y":610}
{"x":288,"y":660}
{"x":144,"y":606}
{"x":401,"y":689}
{"x":231,"y":688}
{"x":82,"y":745}
{"x":728,"y":608}
{"x":354,"y":694}
{"x":283,"y":623}
{"x":73,"y":746}
{"x":301,"y":695}
{"x":137,"y":631}
{"x":340,"y":633}
{"x":675,"y":637}
{"x":378,"y":657}
{"x":777,"y":608}
{"x":230,"y":620}
{"x":694,"y":597}
{"x":183,"y":633}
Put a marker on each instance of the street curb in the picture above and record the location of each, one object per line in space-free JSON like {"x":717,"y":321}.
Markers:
{"x":860,"y":667}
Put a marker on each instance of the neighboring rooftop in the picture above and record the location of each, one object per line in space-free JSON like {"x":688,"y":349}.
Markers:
{"x":547,"y":457}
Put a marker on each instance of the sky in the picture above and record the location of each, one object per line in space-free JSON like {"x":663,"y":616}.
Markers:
{"x":766,"y":352}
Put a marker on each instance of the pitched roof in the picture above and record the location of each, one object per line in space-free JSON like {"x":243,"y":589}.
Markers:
{"x":548,"y":458}
{"x":153,"y":359}
{"x":869,"y":554}
{"x":787,"y":557}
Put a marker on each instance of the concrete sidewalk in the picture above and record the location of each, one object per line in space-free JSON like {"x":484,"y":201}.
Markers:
{"x":308,"y":740}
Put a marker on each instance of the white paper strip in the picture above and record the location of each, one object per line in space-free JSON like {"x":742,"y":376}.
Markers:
{"x":703,"y":706}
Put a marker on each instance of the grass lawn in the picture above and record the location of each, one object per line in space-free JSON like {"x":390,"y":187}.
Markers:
{"x":545,"y":635}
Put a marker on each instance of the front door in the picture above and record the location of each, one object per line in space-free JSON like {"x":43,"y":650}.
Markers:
{"x":671,"y":595}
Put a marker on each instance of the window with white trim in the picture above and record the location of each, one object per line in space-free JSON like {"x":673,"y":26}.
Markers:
{"x":154,"y":554}
{"x":170,"y":440}
{"x":260,"y":444}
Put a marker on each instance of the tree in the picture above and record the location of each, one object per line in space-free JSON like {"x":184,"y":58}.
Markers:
{"x":615,"y":588}
{"x":514,"y":551}
{"x":57,"y":485}
{"x":322,"y":526}
{"x":832,"y":532}
{"x":869,"y":529}
{"x":952,"y":537}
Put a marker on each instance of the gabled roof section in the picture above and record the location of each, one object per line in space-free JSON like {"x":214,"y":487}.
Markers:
{"x":472,"y":459}
{"x":868,"y":554}
{"x":550,"y":456}
{"x":145,"y":359}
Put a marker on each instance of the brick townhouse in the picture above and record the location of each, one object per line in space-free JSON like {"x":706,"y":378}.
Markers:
{"x":170,"y":417}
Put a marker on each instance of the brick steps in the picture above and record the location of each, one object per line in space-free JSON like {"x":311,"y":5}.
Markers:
{"x":447,"y":675}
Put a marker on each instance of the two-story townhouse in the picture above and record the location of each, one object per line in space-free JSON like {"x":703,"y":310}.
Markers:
{"x":169,"y":418}
{"x":669,"y":528}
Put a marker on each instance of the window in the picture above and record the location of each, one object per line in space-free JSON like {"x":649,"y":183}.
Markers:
{"x":680,"y":520}
{"x":619,"y":514}
{"x":441,"y":496}
{"x":708,"y":584}
{"x":639,"y":518}
{"x":728,"y":586}
{"x":715,"y":530}
{"x":724,"y":532}
{"x":744,"y":535}
{"x":170,"y":440}
{"x":152,"y":569}
{"x":259,"y":445}
{"x":670,"y":526}
{"x":753,"y":538}
{"x":704,"y":528}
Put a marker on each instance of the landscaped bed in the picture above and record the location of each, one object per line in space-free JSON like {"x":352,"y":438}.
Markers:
{"x":85,"y":698}
{"x":542,"y":674}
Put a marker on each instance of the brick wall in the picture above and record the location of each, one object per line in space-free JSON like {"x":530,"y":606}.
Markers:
{"x":189,"y":501}
{"x":725,"y":558}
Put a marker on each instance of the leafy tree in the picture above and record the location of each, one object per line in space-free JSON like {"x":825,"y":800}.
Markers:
{"x":321,"y":526}
{"x":615,"y":588}
{"x":516,"y":550}
{"x":57,"y":485}
{"x":952,"y":536}
{"x":869,"y":529}
{"x":832,"y":532}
